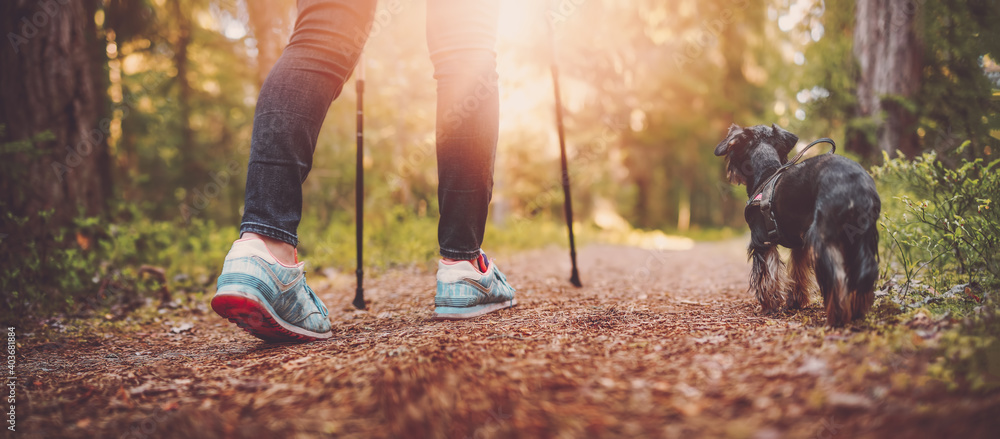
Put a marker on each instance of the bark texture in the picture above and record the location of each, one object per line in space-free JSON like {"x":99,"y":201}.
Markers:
{"x":888,"y":54}
{"x":51,"y":81}
{"x":181,"y":42}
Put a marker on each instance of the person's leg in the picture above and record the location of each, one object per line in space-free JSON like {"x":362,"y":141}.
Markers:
{"x":461,"y":35}
{"x":322,"y":51}
{"x":262,"y":287}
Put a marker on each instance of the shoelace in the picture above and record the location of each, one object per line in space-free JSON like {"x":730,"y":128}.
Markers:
{"x":315,"y":298}
{"x":502,"y":278}
{"x":500,"y":289}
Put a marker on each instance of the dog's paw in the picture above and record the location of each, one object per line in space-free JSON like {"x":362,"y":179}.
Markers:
{"x":770,"y":301}
{"x":797,"y":300}
{"x":772,"y":312}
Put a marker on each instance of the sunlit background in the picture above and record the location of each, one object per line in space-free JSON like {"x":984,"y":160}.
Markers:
{"x":647,"y":87}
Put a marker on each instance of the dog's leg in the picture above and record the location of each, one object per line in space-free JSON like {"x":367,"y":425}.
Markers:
{"x":862,"y":271}
{"x":767,"y":278}
{"x":861,"y":302}
{"x":833,"y":283}
{"x":801,"y":276}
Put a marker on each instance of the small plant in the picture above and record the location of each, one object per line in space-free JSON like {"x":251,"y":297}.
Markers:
{"x":99,"y":263}
{"x":941,"y":218}
{"x":970,"y":353}
{"x":940,"y":228}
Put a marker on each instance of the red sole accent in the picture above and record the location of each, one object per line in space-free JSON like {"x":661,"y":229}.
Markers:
{"x":254,"y":318}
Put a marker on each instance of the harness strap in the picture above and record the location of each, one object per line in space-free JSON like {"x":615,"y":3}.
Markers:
{"x":764,"y":194}
{"x":770,"y":222}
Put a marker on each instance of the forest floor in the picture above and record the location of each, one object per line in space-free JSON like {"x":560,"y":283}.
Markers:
{"x":657,"y":344}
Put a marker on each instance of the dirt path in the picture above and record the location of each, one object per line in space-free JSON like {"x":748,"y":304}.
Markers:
{"x":657,"y":344}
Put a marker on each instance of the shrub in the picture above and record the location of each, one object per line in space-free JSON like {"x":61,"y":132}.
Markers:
{"x":98,"y":263}
{"x":941,"y":219}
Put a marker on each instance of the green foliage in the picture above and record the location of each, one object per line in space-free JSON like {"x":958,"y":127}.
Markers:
{"x":939,"y":230}
{"x":96,"y":263}
{"x":954,"y":99}
{"x":13,"y":156}
{"x":40,"y":273}
{"x":831,"y":65}
{"x":961,"y":350}
{"x":970,"y":354}
{"x":22,"y":147}
{"x":942,"y":219}
{"x":399,"y":238}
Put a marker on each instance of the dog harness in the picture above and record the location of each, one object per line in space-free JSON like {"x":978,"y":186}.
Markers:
{"x":762,"y":198}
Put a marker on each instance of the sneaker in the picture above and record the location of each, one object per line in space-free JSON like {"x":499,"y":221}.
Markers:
{"x":268,"y":299}
{"x":467,"y":289}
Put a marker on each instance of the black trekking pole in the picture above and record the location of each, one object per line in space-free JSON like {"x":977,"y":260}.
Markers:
{"x":568,"y":203}
{"x":359,"y":185}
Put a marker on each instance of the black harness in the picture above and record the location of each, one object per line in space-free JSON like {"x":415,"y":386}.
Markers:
{"x":762,"y":198}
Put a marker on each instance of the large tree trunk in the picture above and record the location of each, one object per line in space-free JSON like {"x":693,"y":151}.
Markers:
{"x":51,"y":81}
{"x":181,"y":43}
{"x":888,"y":54}
{"x":270,"y":22}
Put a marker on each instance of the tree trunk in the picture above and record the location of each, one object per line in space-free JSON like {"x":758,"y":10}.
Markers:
{"x":888,"y":54}
{"x":642,"y":210}
{"x":270,"y":23}
{"x":52,"y":81}
{"x":182,"y":41}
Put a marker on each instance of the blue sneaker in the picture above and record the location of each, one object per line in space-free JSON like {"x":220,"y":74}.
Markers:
{"x":467,"y":289}
{"x":268,"y":299}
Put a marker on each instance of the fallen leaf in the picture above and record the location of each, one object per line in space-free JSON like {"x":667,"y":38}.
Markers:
{"x":849,"y":401}
{"x":813,"y":366}
{"x":184,"y":327}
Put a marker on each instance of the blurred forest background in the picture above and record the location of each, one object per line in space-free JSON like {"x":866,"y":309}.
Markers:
{"x":125,"y":128}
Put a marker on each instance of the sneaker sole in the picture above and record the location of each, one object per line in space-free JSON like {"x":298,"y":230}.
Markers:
{"x":249,"y":313}
{"x":451,"y":313}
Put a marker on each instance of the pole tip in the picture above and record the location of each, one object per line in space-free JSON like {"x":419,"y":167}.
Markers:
{"x":575,"y":279}
{"x":359,"y":299}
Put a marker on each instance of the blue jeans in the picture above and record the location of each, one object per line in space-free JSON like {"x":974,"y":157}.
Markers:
{"x":321,"y":54}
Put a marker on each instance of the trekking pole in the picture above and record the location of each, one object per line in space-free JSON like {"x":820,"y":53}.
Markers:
{"x":359,"y":185}
{"x":568,"y":203}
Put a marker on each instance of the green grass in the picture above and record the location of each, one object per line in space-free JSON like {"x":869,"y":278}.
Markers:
{"x":395,"y":242}
{"x":405,"y":240}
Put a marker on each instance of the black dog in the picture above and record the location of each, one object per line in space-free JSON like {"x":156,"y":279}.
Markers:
{"x":825,"y":209}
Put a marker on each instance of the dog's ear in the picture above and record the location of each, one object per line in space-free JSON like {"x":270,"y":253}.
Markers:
{"x":786,"y":140}
{"x":735,"y":139}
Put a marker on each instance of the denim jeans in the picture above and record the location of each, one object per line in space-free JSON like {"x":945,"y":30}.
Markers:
{"x":321,"y":54}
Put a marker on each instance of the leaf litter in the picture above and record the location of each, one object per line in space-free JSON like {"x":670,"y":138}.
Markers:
{"x":657,"y":344}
